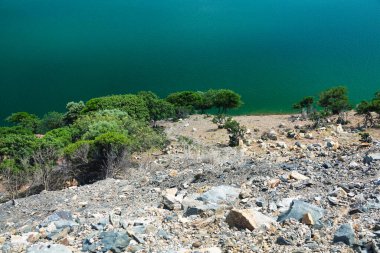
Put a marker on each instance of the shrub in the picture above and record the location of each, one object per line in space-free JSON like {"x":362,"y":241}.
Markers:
{"x":50,"y":121}
{"x":159,"y":109}
{"x":305,"y":105}
{"x":226,"y":99}
{"x":74,"y":110}
{"x":134,"y":105}
{"x":335,"y":101}
{"x":25,"y":120}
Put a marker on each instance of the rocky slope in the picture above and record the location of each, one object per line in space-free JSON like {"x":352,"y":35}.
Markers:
{"x":315,"y":191}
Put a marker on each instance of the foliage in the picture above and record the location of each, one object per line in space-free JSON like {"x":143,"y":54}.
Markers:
{"x":50,"y":121}
{"x":134,"y":105}
{"x":366,"y":108}
{"x":206,"y":101}
{"x":159,"y":109}
{"x":220,"y":120}
{"x":334,"y":100}
{"x":236,"y":132}
{"x":305,"y":104}
{"x":365,"y":137}
{"x":226,"y":99}
{"x":74,"y":110}
{"x":25,"y":120}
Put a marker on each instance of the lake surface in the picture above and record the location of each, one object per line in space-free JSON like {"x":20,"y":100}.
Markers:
{"x":271,"y":51}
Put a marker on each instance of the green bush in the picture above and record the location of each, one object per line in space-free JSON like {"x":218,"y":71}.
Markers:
{"x":226,"y":99}
{"x":334,"y":100}
{"x":25,"y":120}
{"x":50,"y":121}
{"x":74,"y":110}
{"x":159,"y":109}
{"x":134,"y":105}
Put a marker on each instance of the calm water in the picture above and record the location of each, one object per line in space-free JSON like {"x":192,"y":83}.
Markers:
{"x":271,"y":51}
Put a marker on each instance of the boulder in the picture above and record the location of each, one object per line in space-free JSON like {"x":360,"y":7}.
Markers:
{"x":299,"y":208}
{"x":371,"y":157}
{"x":248,"y":219}
{"x":220,"y":194}
{"x":48,"y":248}
{"x":345,"y":234}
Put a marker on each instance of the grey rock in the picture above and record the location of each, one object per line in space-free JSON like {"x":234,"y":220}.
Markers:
{"x":220,"y":194}
{"x":48,"y":248}
{"x":113,"y":241}
{"x":345,"y":234}
{"x":57,"y":216}
{"x":283,"y":241}
{"x":163,"y":234}
{"x":299,"y":208}
{"x":371,"y":157}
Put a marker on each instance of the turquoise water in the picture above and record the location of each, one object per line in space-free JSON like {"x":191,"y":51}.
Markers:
{"x":271,"y":51}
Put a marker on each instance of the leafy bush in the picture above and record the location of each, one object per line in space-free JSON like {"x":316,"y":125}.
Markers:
{"x":335,"y":101}
{"x":159,"y":109}
{"x":50,"y":121}
{"x":25,"y":120}
{"x":305,"y":104}
{"x":226,"y":99}
{"x":134,"y":105}
{"x":74,"y":110}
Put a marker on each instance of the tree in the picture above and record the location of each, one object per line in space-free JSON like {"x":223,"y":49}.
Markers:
{"x":50,"y":121}
{"x":236,"y":132}
{"x":335,"y":101}
{"x":25,"y":119}
{"x":226,"y":99}
{"x":74,"y":110}
{"x":206,"y":101}
{"x":134,"y":105}
{"x":159,"y":109}
{"x":305,"y":105}
{"x":366,"y":108}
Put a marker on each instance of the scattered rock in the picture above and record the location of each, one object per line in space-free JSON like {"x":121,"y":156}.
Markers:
{"x":297,"y":176}
{"x":48,"y":248}
{"x":345,"y":234}
{"x":248,"y":219}
{"x":299,"y":208}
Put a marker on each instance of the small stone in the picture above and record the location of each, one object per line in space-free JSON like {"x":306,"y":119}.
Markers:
{"x":273,"y":183}
{"x":307,"y":219}
{"x":281,"y":144}
{"x":297,"y":176}
{"x":283,"y":241}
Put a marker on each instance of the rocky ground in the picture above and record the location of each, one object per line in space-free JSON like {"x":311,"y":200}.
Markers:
{"x":287,"y":189}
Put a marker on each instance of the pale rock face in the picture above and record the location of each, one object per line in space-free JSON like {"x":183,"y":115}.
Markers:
{"x":297,"y":176}
{"x":248,"y":219}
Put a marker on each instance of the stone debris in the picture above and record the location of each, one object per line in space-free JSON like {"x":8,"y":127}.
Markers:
{"x":307,"y":191}
{"x":248,"y":219}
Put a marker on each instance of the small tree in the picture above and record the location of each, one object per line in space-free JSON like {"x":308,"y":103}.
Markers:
{"x":25,"y":119}
{"x":335,"y":101}
{"x":305,"y":105}
{"x":159,"y":109}
{"x":50,"y":121}
{"x":226,"y":99}
{"x":366,"y":108}
{"x":236,"y":132}
{"x":207,"y":101}
{"x":74,"y":110}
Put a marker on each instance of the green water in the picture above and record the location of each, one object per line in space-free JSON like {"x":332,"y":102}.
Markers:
{"x":271,"y":51}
